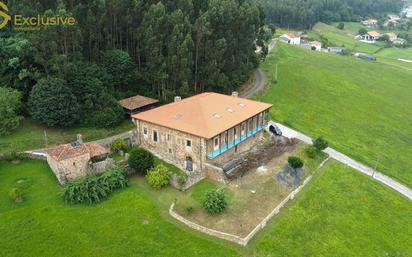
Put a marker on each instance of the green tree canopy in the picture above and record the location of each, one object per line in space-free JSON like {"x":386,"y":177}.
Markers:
{"x":51,"y":102}
{"x":10,"y":105}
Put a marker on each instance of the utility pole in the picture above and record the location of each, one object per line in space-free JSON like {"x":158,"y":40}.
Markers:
{"x":45,"y":138}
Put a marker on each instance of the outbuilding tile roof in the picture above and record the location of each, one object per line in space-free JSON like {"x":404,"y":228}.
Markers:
{"x":136,"y":102}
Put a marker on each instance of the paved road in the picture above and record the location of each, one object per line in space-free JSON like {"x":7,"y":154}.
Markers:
{"x":260,"y":77}
{"x":404,"y":190}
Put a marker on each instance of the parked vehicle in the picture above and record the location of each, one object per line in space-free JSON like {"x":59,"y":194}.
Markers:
{"x":275,"y":130}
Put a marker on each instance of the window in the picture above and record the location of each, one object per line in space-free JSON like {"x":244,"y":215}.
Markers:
{"x":235,"y":132}
{"x":155,"y":136}
{"x":216,"y":142}
{"x":170,"y":151}
{"x":188,"y":143}
{"x":243,"y":128}
{"x":145,"y":131}
{"x":169,"y":137}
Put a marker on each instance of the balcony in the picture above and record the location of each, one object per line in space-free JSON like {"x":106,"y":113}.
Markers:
{"x":234,"y":143}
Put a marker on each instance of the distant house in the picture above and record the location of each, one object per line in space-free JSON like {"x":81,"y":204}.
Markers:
{"x":316,"y":45}
{"x":392,"y":36}
{"x":399,"y":41}
{"x":70,"y":161}
{"x":370,"y":37}
{"x":291,"y":38}
{"x":337,"y":50}
{"x":366,"y":57}
{"x":137,"y":104}
{"x":370,"y":23}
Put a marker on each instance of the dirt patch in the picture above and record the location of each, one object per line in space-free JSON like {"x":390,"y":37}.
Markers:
{"x":262,"y":155}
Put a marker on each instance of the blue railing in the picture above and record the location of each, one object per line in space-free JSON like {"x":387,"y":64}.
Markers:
{"x":234,"y":143}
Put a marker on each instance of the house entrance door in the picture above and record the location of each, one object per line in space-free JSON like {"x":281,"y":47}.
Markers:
{"x":189,"y":164}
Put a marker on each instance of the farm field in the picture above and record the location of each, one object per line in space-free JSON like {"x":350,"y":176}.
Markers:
{"x":340,"y":213}
{"x":362,"y":108}
{"x":30,"y":135}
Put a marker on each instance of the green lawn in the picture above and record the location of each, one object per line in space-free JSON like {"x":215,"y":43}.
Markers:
{"x":341,"y":214}
{"x":30,"y":135}
{"x":45,"y":226}
{"x":363,"y":108}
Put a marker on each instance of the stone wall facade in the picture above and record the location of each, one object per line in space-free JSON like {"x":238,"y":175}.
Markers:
{"x":69,"y":169}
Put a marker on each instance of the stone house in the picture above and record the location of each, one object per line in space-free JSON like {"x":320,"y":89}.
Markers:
{"x":291,"y":38}
{"x":197,"y":132}
{"x":70,"y":161}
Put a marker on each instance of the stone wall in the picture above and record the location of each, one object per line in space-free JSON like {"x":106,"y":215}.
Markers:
{"x":172,"y":145}
{"x":69,"y":169}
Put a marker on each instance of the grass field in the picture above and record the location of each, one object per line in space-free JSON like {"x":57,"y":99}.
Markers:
{"x":30,"y":135}
{"x":340,"y":213}
{"x":364,"y":109}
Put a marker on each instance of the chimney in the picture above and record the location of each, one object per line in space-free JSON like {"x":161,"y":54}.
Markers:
{"x":235,"y":94}
{"x":79,"y":139}
{"x":178,"y":99}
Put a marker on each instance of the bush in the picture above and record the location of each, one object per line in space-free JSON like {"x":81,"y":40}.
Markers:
{"x":141,"y":160}
{"x":341,"y":26}
{"x":17,"y":195}
{"x":312,"y":152}
{"x":215,"y":201}
{"x":295,"y":162}
{"x":118,"y":145}
{"x":181,"y":179}
{"x":158,"y":177}
{"x":320,"y":143}
{"x":94,"y":189}
{"x":362,"y":31}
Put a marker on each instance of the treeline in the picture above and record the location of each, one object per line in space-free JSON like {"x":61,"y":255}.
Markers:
{"x":70,"y":75}
{"x":305,"y":13}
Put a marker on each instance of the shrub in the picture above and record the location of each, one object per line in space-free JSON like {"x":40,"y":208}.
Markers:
{"x":16,"y":194}
{"x":158,"y":177}
{"x":141,"y":160}
{"x":320,"y":143}
{"x":181,"y":180}
{"x":311,"y":152}
{"x":362,"y":31}
{"x":118,"y":145}
{"x":341,"y":25}
{"x":94,"y":189}
{"x":215,"y":201}
{"x":189,"y":210}
{"x":295,"y":162}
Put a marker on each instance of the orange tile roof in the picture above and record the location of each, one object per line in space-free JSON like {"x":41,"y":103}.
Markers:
{"x":205,"y":115}
{"x":67,"y":151}
{"x":135,"y":102}
{"x":316,"y":43}
{"x":292,"y":35}
{"x":374,"y":34}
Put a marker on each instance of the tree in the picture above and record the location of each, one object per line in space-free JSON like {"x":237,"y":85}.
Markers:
{"x":51,"y":102}
{"x":10,"y":105}
{"x":362,"y":31}
{"x":295,"y":162}
{"x":214,"y":201}
{"x":341,"y":25}
{"x":141,"y":160}
{"x":320,"y":143}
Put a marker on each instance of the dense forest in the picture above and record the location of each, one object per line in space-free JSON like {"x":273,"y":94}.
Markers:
{"x":305,"y":13}
{"x":74,"y":75}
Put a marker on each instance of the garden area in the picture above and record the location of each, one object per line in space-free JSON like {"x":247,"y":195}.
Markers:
{"x":251,"y":197}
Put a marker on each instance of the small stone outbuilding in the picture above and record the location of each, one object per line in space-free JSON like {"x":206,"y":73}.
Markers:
{"x":70,"y":161}
{"x":138,"y":103}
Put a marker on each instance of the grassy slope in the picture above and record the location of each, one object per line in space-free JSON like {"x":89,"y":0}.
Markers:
{"x":30,"y":135}
{"x":44,"y":226}
{"x":363,"y":108}
{"x":342,"y":213}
